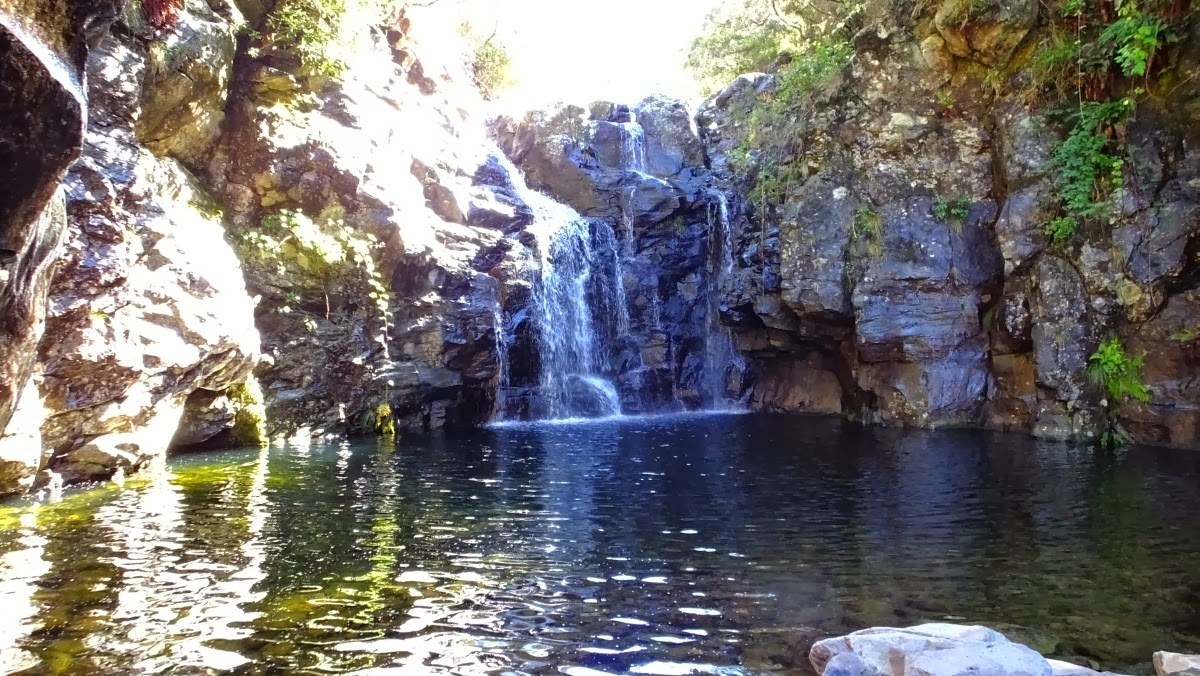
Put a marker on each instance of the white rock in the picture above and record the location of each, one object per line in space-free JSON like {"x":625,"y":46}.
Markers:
{"x":1060,"y":668}
{"x":936,"y":649}
{"x":976,"y":658}
{"x":1176,"y":664}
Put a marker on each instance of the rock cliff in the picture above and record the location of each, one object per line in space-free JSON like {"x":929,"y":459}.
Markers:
{"x":241,"y":234}
{"x":905,"y":274}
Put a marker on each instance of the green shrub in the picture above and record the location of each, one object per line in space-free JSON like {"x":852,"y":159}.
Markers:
{"x":753,"y":36}
{"x":1087,"y":168}
{"x":310,"y":29}
{"x":765,"y":148}
{"x":1134,"y":37}
{"x":1119,"y":374}
{"x":490,"y":68}
{"x":489,"y":63}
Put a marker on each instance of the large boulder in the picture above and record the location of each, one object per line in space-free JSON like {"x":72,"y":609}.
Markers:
{"x":640,"y":165}
{"x":1176,"y":664}
{"x":1064,"y":336}
{"x":917,"y":308}
{"x":926,"y":650}
{"x":189,"y":69}
{"x":1169,"y":345}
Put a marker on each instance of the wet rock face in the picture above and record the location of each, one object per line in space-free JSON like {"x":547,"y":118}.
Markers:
{"x":645,"y":162}
{"x":917,"y":311}
{"x":909,"y":252}
{"x":138,"y":320}
{"x":42,"y":117}
{"x":378,"y":158}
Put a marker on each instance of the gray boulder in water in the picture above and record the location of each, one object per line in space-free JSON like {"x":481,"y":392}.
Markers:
{"x":933,"y":650}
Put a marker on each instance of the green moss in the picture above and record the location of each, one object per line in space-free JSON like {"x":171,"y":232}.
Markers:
{"x":1188,"y":335}
{"x":312,"y":258}
{"x":385,"y":420}
{"x":249,"y":418}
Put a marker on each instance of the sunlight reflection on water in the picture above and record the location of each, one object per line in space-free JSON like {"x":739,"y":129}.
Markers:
{"x":700,"y":544}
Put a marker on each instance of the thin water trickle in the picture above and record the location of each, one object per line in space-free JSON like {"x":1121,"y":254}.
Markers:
{"x":633,"y":146}
{"x":501,"y":360}
{"x":722,"y":360}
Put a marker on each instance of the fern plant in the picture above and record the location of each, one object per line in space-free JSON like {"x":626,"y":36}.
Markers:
{"x":952,"y":212}
{"x":1119,"y":374}
{"x":1061,"y":230}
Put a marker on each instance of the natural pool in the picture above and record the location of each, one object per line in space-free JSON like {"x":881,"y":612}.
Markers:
{"x":723,"y":543}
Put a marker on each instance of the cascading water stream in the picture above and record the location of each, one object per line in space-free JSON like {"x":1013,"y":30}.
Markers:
{"x":570,"y":348}
{"x":633,"y":145}
{"x":581,"y":325}
{"x":720,"y":355}
{"x":501,"y":359}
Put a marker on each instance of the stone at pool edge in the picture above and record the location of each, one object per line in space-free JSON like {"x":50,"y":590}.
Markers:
{"x":1176,"y":664}
{"x":935,"y":649}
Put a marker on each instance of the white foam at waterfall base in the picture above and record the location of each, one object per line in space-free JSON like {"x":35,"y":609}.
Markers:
{"x":640,"y":419}
{"x":606,"y":393}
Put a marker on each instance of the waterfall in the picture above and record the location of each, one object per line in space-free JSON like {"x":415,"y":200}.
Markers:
{"x":582,"y":334}
{"x":501,"y":358}
{"x":573,"y":379}
{"x":612,"y":295}
{"x":720,"y":354}
{"x":633,"y":145}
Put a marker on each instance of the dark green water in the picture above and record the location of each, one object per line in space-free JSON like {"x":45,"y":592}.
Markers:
{"x":728,"y":543}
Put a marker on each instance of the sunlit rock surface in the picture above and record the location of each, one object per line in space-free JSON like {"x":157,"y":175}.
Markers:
{"x":926,"y":650}
{"x":148,"y":302}
{"x":390,"y":152}
{"x":43,"y":45}
{"x":1176,"y":664}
